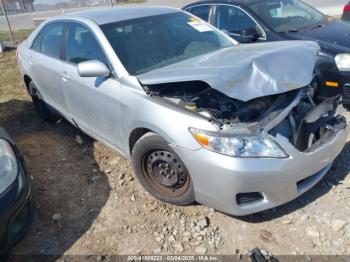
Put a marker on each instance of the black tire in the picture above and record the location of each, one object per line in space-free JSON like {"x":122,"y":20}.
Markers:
{"x":161,"y":172}
{"x":42,"y":109}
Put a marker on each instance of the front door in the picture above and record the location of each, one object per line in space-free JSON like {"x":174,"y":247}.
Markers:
{"x":92,"y":101}
{"x":234,"y":21}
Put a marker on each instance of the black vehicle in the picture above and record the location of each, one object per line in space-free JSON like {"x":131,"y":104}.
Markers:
{"x":249,"y":21}
{"x":16,"y":208}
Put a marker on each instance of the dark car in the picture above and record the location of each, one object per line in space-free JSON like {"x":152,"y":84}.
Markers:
{"x":346,"y":12}
{"x":250,"y":21}
{"x":15,"y":195}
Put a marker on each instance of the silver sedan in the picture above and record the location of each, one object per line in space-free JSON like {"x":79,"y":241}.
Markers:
{"x":202,"y":117}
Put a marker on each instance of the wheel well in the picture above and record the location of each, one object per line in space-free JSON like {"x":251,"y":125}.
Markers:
{"x":27,"y":81}
{"x":135,"y":136}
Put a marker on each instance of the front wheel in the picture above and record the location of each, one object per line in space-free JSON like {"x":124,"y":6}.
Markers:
{"x":161,"y":172}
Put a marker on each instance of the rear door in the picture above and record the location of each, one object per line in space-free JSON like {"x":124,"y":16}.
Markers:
{"x":94,"y":102}
{"x":45,"y":65}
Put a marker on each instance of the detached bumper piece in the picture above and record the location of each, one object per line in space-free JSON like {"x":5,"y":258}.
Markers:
{"x":319,"y":124}
{"x":257,"y":256}
{"x":16,"y":209}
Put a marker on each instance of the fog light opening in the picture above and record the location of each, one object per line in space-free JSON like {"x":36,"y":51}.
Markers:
{"x":249,"y":198}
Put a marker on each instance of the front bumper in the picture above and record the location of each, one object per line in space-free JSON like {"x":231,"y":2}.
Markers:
{"x":343,"y":78}
{"x":218,"y":179}
{"x":16,"y":209}
{"x":345,"y":84}
{"x":327,"y":71}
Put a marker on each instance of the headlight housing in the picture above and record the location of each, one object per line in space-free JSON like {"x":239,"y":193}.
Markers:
{"x":243,"y":146}
{"x":8,"y":165}
{"x":343,"y":62}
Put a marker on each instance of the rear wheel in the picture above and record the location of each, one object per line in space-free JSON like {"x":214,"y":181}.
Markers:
{"x":42,"y":109}
{"x":161,"y":171}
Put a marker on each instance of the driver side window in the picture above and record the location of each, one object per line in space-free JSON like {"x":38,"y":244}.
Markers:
{"x":233,"y":19}
{"x":82,"y":45}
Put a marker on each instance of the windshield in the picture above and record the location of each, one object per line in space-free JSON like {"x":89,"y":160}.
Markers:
{"x":148,"y":43}
{"x":287,"y":15}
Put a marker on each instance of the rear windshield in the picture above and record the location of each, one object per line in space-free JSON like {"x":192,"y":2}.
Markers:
{"x":145,"y":44}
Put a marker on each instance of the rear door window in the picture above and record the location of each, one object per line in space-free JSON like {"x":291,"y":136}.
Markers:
{"x":202,"y":11}
{"x":37,"y":42}
{"x":51,"y":40}
{"x":233,"y":19}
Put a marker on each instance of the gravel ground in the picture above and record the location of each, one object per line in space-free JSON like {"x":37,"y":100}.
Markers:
{"x":88,"y":201}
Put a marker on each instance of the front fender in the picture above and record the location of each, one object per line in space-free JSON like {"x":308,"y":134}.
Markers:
{"x":162,"y":117}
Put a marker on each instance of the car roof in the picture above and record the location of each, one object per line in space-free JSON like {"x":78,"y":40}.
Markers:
{"x":237,"y":2}
{"x":117,"y":14}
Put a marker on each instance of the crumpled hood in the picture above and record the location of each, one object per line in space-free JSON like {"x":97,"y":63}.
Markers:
{"x":246,"y":71}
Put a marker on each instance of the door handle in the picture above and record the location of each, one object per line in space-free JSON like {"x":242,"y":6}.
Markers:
{"x":31,"y":60}
{"x":65,"y":76}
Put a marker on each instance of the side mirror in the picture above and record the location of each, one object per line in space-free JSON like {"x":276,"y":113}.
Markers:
{"x":93,"y":68}
{"x":250,"y":34}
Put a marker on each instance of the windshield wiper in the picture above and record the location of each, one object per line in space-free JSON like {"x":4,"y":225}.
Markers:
{"x":292,"y":30}
{"x":317,"y":26}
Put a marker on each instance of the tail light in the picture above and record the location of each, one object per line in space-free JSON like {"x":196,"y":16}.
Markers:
{"x":347,"y":8}
{"x":17,"y":55}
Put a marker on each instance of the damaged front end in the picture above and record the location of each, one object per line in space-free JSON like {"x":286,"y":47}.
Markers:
{"x":293,"y":115}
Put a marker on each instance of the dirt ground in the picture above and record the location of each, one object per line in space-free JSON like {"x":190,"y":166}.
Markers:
{"x":88,"y":202}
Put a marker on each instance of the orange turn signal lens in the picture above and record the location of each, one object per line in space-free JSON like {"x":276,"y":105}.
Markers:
{"x":202,"y":139}
{"x":332,"y":84}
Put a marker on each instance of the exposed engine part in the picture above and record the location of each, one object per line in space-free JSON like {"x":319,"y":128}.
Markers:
{"x":191,"y":106}
{"x":199,"y":97}
{"x":206,"y":114}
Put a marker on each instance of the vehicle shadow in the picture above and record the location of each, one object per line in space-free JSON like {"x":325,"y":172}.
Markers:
{"x":68,"y":186}
{"x":334,"y":177}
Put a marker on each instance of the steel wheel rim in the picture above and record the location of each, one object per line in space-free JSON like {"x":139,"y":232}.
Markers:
{"x":166,"y":173}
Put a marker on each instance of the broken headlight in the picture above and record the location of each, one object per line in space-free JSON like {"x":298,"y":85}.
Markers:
{"x":8,"y":165}
{"x":244,"y":146}
{"x":343,"y":62}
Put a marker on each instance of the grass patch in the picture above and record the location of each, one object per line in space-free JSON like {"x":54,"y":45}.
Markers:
{"x":18,"y":35}
{"x":11,"y":86}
